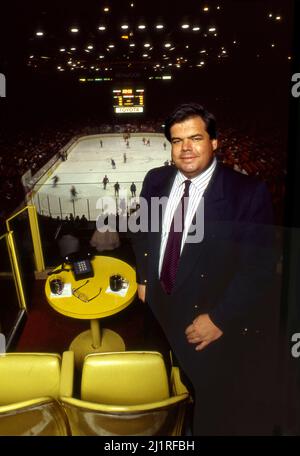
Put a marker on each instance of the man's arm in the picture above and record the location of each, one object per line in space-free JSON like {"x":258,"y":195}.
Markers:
{"x":257,"y":260}
{"x":252,"y":278}
{"x":139,"y":243}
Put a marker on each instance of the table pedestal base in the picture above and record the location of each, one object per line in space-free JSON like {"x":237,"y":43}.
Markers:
{"x":83,"y":344}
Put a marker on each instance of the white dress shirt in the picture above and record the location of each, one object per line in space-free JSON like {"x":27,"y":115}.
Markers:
{"x":196,"y":190}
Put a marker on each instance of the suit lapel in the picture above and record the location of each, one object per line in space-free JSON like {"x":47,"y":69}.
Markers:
{"x":215,"y":206}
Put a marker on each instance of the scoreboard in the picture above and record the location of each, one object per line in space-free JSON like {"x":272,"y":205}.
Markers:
{"x":128,"y":100}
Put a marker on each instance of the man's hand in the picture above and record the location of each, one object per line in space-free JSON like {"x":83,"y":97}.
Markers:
{"x":202,"y":332}
{"x":141,"y":289}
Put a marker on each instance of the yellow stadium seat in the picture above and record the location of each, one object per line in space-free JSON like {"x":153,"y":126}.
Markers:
{"x":127,"y":393}
{"x":31,"y":384}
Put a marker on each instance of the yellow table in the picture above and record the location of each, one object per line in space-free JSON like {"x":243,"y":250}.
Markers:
{"x":105,"y":304}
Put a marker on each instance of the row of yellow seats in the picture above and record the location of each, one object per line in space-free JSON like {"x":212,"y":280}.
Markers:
{"x":126,"y":393}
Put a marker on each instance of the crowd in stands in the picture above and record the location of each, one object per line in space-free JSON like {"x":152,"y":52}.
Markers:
{"x":263,"y":156}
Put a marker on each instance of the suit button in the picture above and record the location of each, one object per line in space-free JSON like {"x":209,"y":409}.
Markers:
{"x":145,"y":281}
{"x":202,"y":276}
{"x":196,"y":306}
{"x":145,"y":254}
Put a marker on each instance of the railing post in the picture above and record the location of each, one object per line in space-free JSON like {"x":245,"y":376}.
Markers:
{"x":60,"y":210}
{"x":88,"y":208}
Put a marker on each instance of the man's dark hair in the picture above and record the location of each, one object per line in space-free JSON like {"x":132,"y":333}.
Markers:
{"x":187,"y":111}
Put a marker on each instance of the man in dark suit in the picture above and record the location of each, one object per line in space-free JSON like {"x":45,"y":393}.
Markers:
{"x":213,"y":311}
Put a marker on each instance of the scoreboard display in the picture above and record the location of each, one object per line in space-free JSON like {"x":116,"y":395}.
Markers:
{"x":128,"y":100}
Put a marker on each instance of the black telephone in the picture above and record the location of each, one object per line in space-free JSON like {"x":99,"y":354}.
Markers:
{"x":82,"y":266}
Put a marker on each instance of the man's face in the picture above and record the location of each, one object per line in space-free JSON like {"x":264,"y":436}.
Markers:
{"x":192,"y":148}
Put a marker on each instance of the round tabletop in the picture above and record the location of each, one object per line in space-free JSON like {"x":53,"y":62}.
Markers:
{"x":104,"y":304}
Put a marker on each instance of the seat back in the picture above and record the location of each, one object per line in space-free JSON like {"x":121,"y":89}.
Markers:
{"x":31,"y":383}
{"x":37,"y":417}
{"x":127,"y":393}
{"x":124,"y":378}
{"x":27,"y":376}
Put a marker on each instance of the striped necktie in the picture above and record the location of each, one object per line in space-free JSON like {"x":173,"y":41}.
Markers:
{"x":173,"y":247}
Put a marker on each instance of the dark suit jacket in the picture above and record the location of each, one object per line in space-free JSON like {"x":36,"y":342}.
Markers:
{"x":225,"y":275}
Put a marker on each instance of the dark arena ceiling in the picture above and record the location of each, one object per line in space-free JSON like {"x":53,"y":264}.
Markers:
{"x":153,"y":38}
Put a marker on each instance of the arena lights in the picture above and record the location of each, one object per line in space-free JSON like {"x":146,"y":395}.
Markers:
{"x":39,"y":33}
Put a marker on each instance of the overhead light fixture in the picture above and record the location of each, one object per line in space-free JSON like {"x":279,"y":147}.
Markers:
{"x":74,"y":30}
{"x":196,"y":28}
{"x":159,"y":26}
{"x":185,"y":26}
{"x":101,"y":27}
{"x":124,"y":27}
{"x":141,"y":26}
{"x":39,"y":33}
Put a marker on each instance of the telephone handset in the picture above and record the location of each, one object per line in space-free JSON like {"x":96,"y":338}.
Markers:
{"x":82,"y":266}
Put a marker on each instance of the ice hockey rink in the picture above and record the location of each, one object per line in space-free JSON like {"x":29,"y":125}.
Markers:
{"x":86,"y":165}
